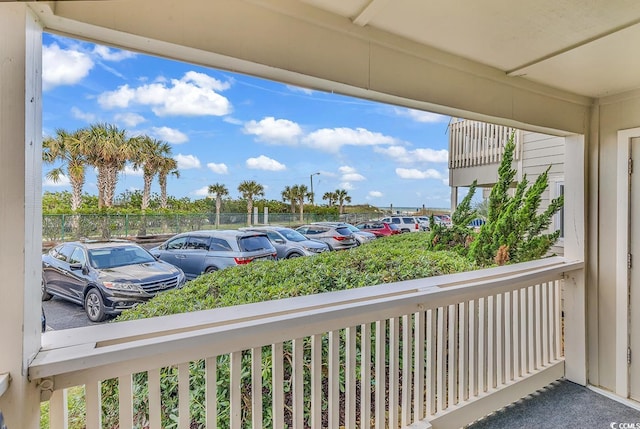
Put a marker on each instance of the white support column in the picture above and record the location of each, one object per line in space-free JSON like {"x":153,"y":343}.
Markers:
{"x":575,"y":303}
{"x":266,"y":215}
{"x":255,"y":216}
{"x":454,"y":198}
{"x":20,"y":209}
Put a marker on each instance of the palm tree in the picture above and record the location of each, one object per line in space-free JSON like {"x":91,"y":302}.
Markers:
{"x":150,"y":155}
{"x":250,"y":189}
{"x":301,"y":192}
{"x":70,"y":150}
{"x":166,"y":167}
{"x":289,"y":195}
{"x":219,"y":191}
{"x":110,"y":150}
{"x":331,"y":197}
{"x":342,"y":197}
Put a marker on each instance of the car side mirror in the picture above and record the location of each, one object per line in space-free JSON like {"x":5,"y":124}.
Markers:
{"x":76,"y":266}
{"x":279,"y":240}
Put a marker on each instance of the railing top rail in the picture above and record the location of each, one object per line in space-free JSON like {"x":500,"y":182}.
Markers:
{"x":126,"y":347}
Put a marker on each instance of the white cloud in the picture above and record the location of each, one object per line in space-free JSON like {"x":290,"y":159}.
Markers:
{"x":202,"y":192}
{"x":347,"y":186}
{"x":63,"y":66}
{"x":376,"y":194}
{"x":405,"y":156}
{"x":294,"y":88}
{"x":232,"y":120}
{"x":83,"y":116}
{"x":332,"y":139}
{"x":265,"y":163}
{"x":170,"y":135}
{"x":112,"y":54}
{"x":421,"y":116}
{"x":130,"y":171}
{"x":349,"y":174}
{"x":186,"y":162}
{"x":218,"y":168}
{"x":62,"y":181}
{"x":195,"y":94}
{"x":274,"y":131}
{"x":129,"y":119}
{"x":412,"y":173}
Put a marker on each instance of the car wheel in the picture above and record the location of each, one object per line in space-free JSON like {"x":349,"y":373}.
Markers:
{"x":46,"y":296}
{"x":210,"y":270}
{"x":94,"y":306}
{"x":294,"y":255}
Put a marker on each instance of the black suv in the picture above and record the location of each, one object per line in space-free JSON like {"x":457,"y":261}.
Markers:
{"x":105,"y":277}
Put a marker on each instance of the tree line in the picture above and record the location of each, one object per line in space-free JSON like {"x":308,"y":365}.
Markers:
{"x":109,"y":149}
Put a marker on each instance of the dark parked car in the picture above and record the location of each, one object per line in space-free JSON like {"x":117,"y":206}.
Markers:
{"x":105,"y":277}
{"x":337,"y":237}
{"x":289,"y":243}
{"x":199,"y":252}
{"x":380,"y":229}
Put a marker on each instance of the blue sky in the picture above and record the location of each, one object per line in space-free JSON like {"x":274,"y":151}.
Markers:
{"x":225,"y":128}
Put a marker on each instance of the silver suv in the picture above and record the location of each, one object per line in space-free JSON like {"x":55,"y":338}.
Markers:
{"x":199,"y":252}
{"x":289,"y":243}
{"x":404,"y":223}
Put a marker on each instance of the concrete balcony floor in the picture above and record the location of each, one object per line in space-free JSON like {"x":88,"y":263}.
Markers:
{"x":562,"y":404}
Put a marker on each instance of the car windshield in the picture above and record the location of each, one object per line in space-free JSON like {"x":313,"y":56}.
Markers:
{"x":110,"y":257}
{"x":254,"y":243}
{"x":292,"y":235}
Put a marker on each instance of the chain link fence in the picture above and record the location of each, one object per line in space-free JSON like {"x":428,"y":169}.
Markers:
{"x":65,"y":227}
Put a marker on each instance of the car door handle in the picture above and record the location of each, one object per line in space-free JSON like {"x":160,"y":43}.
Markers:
{"x":180,"y":256}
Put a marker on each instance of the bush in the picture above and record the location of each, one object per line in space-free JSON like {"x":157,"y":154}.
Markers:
{"x":389,"y":259}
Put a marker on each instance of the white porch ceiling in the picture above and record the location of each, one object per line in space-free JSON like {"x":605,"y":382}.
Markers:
{"x":585,"y":47}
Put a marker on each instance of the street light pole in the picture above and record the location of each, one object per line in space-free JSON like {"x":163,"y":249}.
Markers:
{"x":311,"y":179}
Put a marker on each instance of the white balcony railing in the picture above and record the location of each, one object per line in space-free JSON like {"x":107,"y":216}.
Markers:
{"x":435,"y":352}
{"x":473,"y":143}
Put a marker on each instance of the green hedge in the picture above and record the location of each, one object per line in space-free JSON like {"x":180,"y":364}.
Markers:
{"x":390,"y":259}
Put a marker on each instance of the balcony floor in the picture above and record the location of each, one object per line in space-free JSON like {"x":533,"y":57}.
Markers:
{"x":562,"y":404}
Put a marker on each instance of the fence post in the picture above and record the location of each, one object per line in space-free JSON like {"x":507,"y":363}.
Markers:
{"x":62,"y":228}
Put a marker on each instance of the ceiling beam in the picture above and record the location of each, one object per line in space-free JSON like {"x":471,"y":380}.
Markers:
{"x":369,"y":12}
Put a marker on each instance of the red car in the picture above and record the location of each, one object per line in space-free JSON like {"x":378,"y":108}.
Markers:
{"x":380,"y":229}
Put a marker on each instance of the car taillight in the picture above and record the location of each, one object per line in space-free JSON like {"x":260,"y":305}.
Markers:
{"x":417,"y":226}
{"x":340,"y":237}
{"x":243,"y":260}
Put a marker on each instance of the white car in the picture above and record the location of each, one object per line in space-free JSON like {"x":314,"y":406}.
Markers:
{"x":404,"y":223}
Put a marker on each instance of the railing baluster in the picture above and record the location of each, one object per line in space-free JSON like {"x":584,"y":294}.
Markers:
{"x":482,"y":346}
{"x":350,"y":378}
{"x":442,"y":370}
{"x":545,"y":324}
{"x":559,"y":325}
{"x":531,"y":330}
{"x":58,"y":410}
{"x":298,"y":383}
{"x":155,"y":402}
{"x":524,"y":332}
{"x":211,"y":392}
{"x":491,"y":342}
{"x":499,"y":304}
{"x":517,"y":368}
{"x":316,"y":382}
{"x":431,"y":362}
{"x":508,"y":337}
{"x":463,"y":351}
{"x":407,"y":365}
{"x":93,"y":397}
{"x":365,"y":375}
{"x":334,"y":380}
{"x":125,"y":402}
{"x":380,"y":374}
{"x":419,"y":367}
{"x":235,"y":393}
{"x":473,"y":348}
{"x":394,"y":367}
{"x":184,"y":419}
{"x":256,"y":387}
{"x":277,"y":386}
{"x":452,"y":356}
{"x":538,"y":325}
